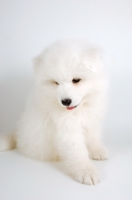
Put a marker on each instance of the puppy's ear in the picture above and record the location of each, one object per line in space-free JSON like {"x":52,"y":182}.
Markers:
{"x":93,"y":59}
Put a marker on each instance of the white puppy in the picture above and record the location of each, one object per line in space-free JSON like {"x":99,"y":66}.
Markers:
{"x":62,"y":119}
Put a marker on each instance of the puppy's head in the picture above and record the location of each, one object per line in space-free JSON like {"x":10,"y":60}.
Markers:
{"x":68,"y":72}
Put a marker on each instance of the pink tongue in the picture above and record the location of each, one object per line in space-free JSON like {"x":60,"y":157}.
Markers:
{"x":70,"y":108}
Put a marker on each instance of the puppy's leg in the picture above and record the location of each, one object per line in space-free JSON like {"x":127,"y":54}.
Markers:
{"x":74,"y":154}
{"x":96,"y":149}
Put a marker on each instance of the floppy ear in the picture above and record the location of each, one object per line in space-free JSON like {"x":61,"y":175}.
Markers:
{"x":93,"y":59}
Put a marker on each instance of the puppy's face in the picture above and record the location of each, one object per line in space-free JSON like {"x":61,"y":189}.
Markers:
{"x":70,"y":93}
{"x":67,"y":74}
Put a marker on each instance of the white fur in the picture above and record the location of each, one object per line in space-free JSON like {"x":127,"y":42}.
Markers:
{"x":47,"y":130}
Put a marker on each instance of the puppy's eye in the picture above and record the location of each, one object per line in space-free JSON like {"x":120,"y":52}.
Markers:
{"x":56,"y":83}
{"x":76,"y":80}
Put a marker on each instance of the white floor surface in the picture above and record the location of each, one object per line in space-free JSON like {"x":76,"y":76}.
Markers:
{"x":22,"y":178}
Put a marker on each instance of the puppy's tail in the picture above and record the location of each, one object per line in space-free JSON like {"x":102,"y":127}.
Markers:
{"x":7,"y":142}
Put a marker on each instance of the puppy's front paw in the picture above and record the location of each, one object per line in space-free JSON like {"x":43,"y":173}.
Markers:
{"x":99,"y":153}
{"x":89,"y":176}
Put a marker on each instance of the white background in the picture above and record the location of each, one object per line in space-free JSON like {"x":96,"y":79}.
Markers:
{"x":26,"y":27}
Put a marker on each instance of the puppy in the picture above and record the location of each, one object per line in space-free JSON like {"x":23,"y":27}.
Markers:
{"x":62,"y":119}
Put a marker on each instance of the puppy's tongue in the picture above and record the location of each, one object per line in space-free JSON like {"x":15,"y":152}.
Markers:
{"x":70,"y":108}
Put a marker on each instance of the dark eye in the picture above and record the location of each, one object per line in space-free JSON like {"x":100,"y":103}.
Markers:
{"x":56,"y":83}
{"x":76,"y":80}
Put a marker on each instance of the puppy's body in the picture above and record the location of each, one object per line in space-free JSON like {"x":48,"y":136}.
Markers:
{"x":62,"y":120}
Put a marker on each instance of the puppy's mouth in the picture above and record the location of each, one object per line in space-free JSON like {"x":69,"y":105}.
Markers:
{"x":70,"y":108}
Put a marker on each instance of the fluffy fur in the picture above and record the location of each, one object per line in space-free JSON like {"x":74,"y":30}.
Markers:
{"x":49,"y":130}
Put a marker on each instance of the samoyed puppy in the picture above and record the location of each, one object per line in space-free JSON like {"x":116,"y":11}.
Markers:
{"x":63,"y":116}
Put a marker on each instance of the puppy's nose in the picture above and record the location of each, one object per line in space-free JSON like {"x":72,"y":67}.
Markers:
{"x":66,"y":102}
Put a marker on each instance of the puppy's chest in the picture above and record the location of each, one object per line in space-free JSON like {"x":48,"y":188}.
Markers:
{"x":84,"y":118}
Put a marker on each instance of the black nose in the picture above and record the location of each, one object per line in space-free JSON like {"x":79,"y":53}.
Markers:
{"x":66,"y":102}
